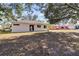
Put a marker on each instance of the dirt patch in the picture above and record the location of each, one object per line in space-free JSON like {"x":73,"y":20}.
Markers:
{"x":42,"y":44}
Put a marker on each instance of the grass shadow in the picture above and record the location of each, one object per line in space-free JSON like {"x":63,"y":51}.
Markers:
{"x":41,"y":44}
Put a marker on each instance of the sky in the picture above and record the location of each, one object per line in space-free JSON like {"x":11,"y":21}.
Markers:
{"x":35,"y":12}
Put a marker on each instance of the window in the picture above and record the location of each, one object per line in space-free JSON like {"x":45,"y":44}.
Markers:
{"x":16,"y":24}
{"x":39,"y":26}
{"x":45,"y":26}
{"x":0,"y":19}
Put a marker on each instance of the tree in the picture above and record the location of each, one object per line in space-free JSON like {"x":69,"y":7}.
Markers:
{"x":34,"y":17}
{"x":56,"y":11}
{"x":30,"y":10}
{"x":19,"y":9}
{"x":6,"y":11}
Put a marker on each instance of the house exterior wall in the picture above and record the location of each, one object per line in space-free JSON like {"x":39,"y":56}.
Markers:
{"x":20,"y":28}
{"x":25,"y":28}
{"x":39,"y":29}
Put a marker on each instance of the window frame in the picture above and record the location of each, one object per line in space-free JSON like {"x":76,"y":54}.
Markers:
{"x":16,"y":24}
{"x":44,"y":26}
{"x":38,"y":26}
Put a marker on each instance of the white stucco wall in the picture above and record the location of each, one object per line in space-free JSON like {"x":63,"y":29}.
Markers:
{"x":39,"y":29}
{"x":20,"y":28}
{"x":25,"y":28}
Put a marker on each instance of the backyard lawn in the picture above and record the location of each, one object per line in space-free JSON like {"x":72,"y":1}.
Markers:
{"x":52,"y":43}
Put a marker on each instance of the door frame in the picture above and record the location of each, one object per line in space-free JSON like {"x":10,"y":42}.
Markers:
{"x":31,"y":27}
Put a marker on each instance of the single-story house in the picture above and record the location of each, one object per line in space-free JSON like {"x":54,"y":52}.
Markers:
{"x":28,"y":25}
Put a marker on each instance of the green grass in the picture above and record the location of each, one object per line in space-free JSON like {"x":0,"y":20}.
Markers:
{"x":4,"y":32}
